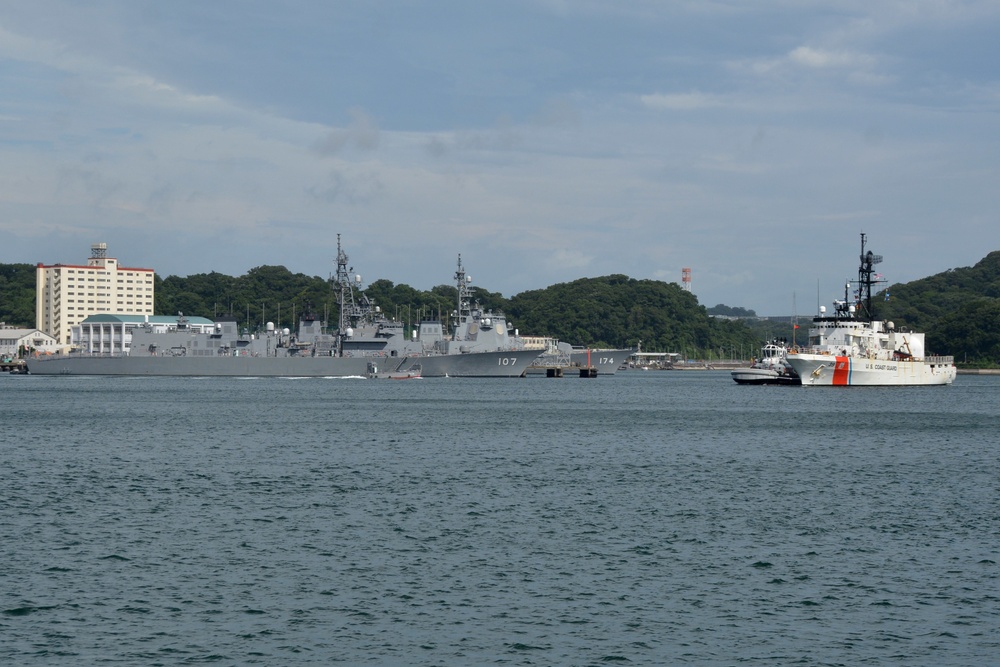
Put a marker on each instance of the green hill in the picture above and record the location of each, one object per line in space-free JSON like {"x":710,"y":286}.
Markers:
{"x":17,"y":295}
{"x":959,"y":309}
{"x":618,"y":311}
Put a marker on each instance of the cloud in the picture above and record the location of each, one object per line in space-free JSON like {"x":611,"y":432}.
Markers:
{"x":806,"y":56}
{"x":681,"y":101}
{"x":558,"y":112}
{"x":349,"y":186}
{"x":855,"y":66}
{"x":565,"y":258}
{"x":565,"y":138}
{"x":362,"y":133}
{"x":436,"y":146}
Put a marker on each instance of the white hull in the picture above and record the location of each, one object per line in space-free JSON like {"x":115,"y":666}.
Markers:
{"x":854,"y":348}
{"x":827,"y":370}
{"x":770,"y":368}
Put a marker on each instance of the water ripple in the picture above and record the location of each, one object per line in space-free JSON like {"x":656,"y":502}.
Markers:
{"x":644,"y":519}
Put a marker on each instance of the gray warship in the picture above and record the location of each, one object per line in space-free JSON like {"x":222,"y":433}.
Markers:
{"x":588,"y":362}
{"x":602,"y":361}
{"x":365,"y":344}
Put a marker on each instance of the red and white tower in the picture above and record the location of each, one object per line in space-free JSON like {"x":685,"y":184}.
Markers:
{"x":686,"y":279}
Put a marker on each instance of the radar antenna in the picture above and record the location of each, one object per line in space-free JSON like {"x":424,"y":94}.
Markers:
{"x":866,"y":278}
{"x":351,"y":310}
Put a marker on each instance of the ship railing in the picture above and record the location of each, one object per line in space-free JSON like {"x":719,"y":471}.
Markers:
{"x":940,"y":359}
{"x":96,"y":353}
{"x":559,"y":360}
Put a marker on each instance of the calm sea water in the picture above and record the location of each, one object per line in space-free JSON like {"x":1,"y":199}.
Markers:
{"x":645,"y":519}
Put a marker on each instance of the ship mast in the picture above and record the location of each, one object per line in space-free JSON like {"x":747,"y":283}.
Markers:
{"x":464,"y":312}
{"x":865,"y":307}
{"x":350,"y":311}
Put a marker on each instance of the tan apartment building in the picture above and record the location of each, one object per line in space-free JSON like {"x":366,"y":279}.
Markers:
{"x":66,"y":294}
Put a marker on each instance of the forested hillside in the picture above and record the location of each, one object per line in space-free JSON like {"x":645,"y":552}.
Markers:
{"x":612,"y":311}
{"x":271,"y":293}
{"x":17,"y":295}
{"x":616,"y":311}
{"x":959,"y":309}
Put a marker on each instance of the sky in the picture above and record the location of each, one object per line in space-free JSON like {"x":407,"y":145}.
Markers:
{"x":542,"y":140}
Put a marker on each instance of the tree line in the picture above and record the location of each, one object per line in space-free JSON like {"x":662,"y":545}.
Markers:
{"x":611,"y":311}
{"x":17,"y":295}
{"x":959,"y":309}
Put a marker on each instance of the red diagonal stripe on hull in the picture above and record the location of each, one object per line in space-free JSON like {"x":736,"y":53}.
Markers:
{"x":842,"y":372}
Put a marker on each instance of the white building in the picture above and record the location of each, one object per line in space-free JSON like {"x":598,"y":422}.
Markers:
{"x":66,"y":294}
{"x":545,"y":343}
{"x":14,"y":341}
{"x":112,"y":334}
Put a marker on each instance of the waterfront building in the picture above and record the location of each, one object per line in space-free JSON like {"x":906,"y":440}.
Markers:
{"x":545,"y":343}
{"x":66,"y":294}
{"x":112,"y":333}
{"x":14,"y":342}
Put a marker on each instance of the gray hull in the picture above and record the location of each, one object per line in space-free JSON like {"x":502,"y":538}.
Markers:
{"x":366,"y":343}
{"x":606,"y":362}
{"x":485,"y":364}
{"x":475,"y":364}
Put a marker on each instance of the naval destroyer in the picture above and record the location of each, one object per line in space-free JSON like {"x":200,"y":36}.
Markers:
{"x":366,"y":343}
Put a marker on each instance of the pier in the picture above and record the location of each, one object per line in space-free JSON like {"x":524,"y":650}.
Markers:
{"x":561,"y":370}
{"x":14,"y":367}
